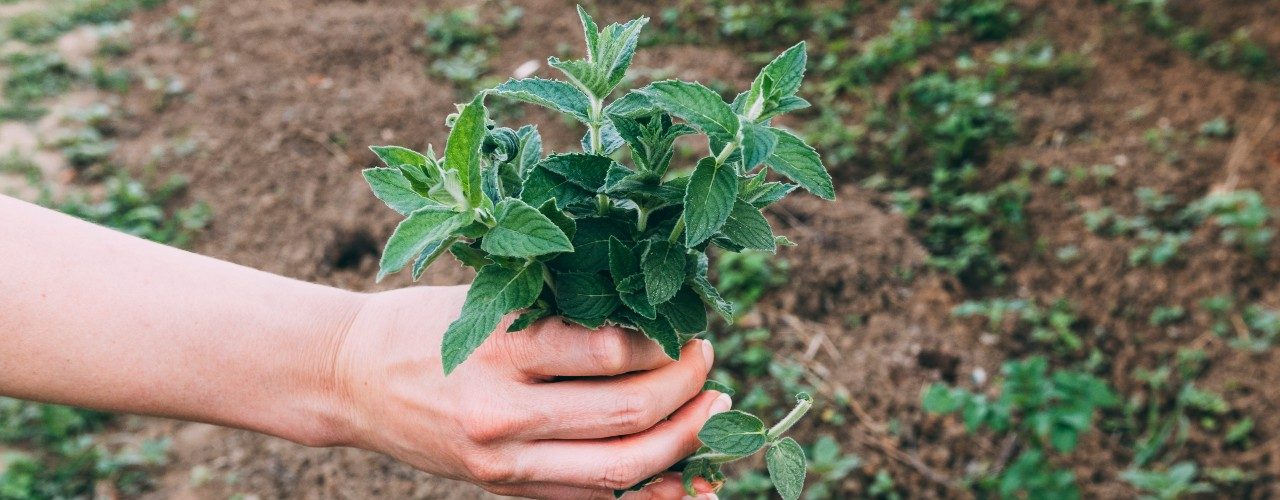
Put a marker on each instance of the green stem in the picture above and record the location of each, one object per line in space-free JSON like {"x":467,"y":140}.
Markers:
{"x":642,"y":219}
{"x":676,"y":231}
{"x":803,"y":403}
{"x":597,"y":143}
{"x":725,"y":152}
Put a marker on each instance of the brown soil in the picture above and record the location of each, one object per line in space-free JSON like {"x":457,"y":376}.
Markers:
{"x":284,"y":95}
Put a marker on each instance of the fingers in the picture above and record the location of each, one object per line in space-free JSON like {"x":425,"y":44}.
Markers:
{"x":551,"y":348}
{"x":618,"y":463}
{"x":670,"y":487}
{"x":617,"y":406}
{"x":666,"y":487}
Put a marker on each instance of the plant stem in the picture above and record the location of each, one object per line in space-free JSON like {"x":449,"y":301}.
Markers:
{"x":596,"y":109}
{"x":803,"y":403}
{"x":642,"y":218}
{"x":676,"y":231}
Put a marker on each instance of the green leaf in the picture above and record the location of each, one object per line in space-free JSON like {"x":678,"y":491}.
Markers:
{"x":786,"y":71}
{"x":715,"y":385}
{"x":430,"y":255}
{"x":462,"y":151}
{"x":610,"y":140}
{"x":696,"y":104}
{"x":588,"y":171}
{"x":590,"y":31}
{"x":591,"y":245}
{"x":663,"y":265}
{"x":554,"y":94}
{"x":528,"y":318}
{"x":785,"y":105}
{"x":586,"y":296}
{"x":801,"y":163}
{"x":496,"y":291}
{"x":786,"y":462}
{"x":631,"y":291}
{"x":395,"y":156}
{"x":733,"y":433}
{"x":522,"y":231}
{"x":762,"y":194}
{"x":423,"y":228}
{"x":747,"y":227}
{"x":702,"y":286}
{"x":758,"y":143}
{"x":542,"y":185}
{"x":393,"y":188}
{"x":617,"y":48}
{"x":632,"y":105}
{"x":469,"y":255}
{"x":530,"y":149}
{"x":686,"y":312}
{"x":622,"y":261}
{"x":708,"y":200}
{"x":558,"y":217}
{"x":660,"y":330}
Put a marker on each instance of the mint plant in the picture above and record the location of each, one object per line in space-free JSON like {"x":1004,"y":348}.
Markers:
{"x":613,"y":234}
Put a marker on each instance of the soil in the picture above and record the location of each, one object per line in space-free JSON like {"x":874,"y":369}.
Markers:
{"x":282,"y":96}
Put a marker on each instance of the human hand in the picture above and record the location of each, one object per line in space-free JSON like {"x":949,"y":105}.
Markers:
{"x":555,"y":411}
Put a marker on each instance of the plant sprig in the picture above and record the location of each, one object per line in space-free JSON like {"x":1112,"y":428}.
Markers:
{"x":612,"y":234}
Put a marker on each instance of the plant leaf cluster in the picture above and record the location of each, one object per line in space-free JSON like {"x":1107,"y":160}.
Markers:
{"x":617,"y":233}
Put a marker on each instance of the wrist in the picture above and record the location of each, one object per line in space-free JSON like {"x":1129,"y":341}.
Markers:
{"x":323,"y":408}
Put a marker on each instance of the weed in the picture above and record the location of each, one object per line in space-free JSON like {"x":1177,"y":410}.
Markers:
{"x":1242,"y":216}
{"x":1054,"y":325}
{"x":1175,"y":482}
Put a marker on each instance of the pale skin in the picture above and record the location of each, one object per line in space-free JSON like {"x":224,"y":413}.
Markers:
{"x":95,"y":318}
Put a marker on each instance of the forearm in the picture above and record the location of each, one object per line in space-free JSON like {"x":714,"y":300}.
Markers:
{"x":96,"y":318}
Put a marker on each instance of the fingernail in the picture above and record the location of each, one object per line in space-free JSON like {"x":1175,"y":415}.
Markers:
{"x":721,"y":404}
{"x":708,"y":354}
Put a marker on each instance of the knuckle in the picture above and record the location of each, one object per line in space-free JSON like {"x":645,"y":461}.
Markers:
{"x":633,"y":412}
{"x":621,"y":473}
{"x":486,"y":427}
{"x":489,"y":469}
{"x":609,"y":352}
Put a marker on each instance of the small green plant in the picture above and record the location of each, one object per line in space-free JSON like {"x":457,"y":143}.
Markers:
{"x":1175,"y":482}
{"x":1053,"y":325}
{"x":587,"y":238}
{"x":1045,"y":410}
{"x":461,"y":41}
{"x":130,"y":206}
{"x":985,"y":19}
{"x":1242,"y":215}
{"x":743,"y":277}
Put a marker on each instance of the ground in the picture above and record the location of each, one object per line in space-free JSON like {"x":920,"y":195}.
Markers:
{"x":279,"y":99}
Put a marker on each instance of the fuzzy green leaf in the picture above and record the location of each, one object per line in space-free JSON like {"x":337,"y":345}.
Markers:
{"x":528,"y":318}
{"x":787,"y":70}
{"x":542,"y":185}
{"x":686,"y":312}
{"x":586,"y":296}
{"x":558,"y":217}
{"x":462,"y":151}
{"x":469,"y":255}
{"x":631,"y":292}
{"x":429,"y":255}
{"x":801,"y":163}
{"x":663,"y":265}
{"x":496,"y":291}
{"x":701,"y":284}
{"x":553,"y":94}
{"x":587,"y":171}
{"x":522,"y":231}
{"x":395,"y":156}
{"x":733,"y":433}
{"x":708,"y":200}
{"x":758,"y":143}
{"x":660,"y":330}
{"x":425,"y":227}
{"x":696,"y":104}
{"x":718,"y":386}
{"x":786,"y":462}
{"x":393,"y":188}
{"x":591,"y":245}
{"x":748,"y":228}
